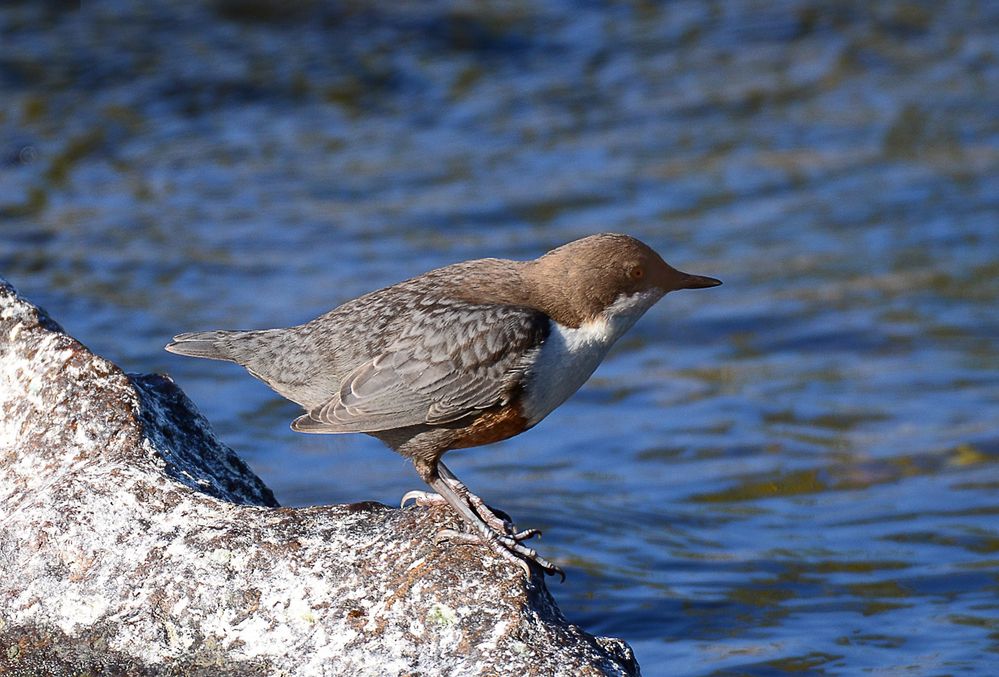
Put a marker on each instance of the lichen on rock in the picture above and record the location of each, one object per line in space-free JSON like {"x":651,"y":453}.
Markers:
{"x":133,"y":541}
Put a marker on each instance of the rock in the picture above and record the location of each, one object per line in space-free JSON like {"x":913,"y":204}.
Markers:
{"x":132,"y":541}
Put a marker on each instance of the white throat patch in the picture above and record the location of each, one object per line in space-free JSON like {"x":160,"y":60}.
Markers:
{"x":570,"y":355}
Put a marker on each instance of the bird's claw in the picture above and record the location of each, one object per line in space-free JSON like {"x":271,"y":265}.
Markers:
{"x":497,"y":523}
{"x":507,"y":546}
{"x":489,"y":528}
{"x":526,"y":534}
{"x":421,"y":498}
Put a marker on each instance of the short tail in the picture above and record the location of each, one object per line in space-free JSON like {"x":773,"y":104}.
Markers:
{"x":212,"y":345}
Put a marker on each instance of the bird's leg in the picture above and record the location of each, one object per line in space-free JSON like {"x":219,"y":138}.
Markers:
{"x":497,"y":523}
{"x":485,"y":533}
{"x":503,"y":544}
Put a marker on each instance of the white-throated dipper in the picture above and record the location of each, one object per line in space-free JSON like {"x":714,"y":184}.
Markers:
{"x":458,"y":357}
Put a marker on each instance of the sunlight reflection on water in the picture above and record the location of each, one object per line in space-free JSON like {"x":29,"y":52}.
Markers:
{"x":795,"y":471}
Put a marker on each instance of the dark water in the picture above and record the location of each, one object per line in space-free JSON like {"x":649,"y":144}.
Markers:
{"x":795,"y":472}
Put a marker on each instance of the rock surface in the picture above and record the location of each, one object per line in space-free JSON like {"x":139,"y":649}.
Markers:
{"x":132,"y":541}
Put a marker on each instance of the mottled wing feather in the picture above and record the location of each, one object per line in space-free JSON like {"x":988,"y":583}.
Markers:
{"x":452,"y":359}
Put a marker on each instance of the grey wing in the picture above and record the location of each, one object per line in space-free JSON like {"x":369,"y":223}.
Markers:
{"x":451,"y":360}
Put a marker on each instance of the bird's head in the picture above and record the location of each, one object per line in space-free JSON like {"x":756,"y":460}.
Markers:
{"x":606,"y":274}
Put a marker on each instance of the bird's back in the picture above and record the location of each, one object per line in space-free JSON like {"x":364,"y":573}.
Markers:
{"x":308,"y":362}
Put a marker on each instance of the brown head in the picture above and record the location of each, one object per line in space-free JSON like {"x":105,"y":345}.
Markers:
{"x":579,"y":280}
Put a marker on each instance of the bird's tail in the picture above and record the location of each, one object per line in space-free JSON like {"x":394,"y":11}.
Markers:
{"x":212,"y":345}
{"x":281,"y":358}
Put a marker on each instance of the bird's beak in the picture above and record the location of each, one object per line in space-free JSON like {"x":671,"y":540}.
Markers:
{"x":668,"y":278}
{"x":688,"y":281}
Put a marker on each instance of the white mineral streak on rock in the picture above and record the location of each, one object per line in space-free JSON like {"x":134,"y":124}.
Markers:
{"x":132,"y":541}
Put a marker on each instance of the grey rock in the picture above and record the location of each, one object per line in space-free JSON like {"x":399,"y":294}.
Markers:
{"x":133,"y":542}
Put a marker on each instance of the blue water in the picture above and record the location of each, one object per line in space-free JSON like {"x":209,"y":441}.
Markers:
{"x":795,"y":472}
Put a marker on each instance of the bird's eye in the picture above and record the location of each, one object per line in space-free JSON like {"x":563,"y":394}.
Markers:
{"x":636,"y":273}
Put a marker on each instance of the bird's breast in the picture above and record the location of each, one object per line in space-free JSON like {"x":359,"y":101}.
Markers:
{"x":566,"y":359}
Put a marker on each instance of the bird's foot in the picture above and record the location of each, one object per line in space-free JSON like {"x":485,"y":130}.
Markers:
{"x":500,"y":524}
{"x":484,"y":526}
{"x":422,"y":498}
{"x":507,"y":546}
{"x":497,"y":523}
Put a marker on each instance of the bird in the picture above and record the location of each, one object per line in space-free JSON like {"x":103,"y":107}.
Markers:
{"x":461,"y":356}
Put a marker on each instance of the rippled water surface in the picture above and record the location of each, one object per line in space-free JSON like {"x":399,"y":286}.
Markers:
{"x":794,"y":472}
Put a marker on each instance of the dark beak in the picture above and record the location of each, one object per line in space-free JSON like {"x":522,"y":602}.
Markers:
{"x":697,"y":282}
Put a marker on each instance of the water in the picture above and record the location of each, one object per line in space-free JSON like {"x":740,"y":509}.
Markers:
{"x":794,"y":472}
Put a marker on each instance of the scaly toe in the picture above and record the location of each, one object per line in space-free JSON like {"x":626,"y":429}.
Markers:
{"x":526,"y":534}
{"x":506,"y":547}
{"x":455,"y":536}
{"x":422,"y":498}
